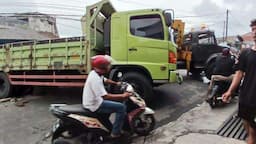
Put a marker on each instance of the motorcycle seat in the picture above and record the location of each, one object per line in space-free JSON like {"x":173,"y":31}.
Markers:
{"x":78,"y":109}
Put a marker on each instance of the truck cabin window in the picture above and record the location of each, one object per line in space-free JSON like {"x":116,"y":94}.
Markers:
{"x":205,"y":39}
{"x":149,"y":26}
{"x":187,"y":39}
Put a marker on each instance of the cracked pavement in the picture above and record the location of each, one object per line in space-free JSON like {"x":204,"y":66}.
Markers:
{"x":198,"y":126}
{"x":32,"y":123}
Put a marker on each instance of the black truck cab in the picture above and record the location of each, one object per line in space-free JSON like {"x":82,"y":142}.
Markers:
{"x":203,"y":45}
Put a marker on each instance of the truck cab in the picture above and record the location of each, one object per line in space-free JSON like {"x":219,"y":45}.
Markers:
{"x":143,"y":42}
{"x":201,"y":46}
{"x":140,"y":41}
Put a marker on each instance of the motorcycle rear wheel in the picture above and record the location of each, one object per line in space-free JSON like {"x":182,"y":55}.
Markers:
{"x":88,"y":138}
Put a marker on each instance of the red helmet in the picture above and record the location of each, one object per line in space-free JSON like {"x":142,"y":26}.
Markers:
{"x":100,"y":63}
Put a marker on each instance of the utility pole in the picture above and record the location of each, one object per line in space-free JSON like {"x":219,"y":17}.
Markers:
{"x":224,"y":30}
{"x":227,"y":25}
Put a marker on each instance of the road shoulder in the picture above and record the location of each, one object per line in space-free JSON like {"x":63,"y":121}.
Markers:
{"x":196,"y":126}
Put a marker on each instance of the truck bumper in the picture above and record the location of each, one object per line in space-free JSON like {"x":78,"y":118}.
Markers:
{"x":175,"y":77}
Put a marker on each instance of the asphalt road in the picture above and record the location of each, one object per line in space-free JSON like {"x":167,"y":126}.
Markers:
{"x":172,"y":100}
{"x":31,"y":124}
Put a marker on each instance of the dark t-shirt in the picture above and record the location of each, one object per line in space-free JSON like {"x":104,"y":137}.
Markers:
{"x":224,"y":66}
{"x":247,"y":64}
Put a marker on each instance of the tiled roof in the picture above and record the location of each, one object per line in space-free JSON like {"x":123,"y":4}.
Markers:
{"x":248,"y":37}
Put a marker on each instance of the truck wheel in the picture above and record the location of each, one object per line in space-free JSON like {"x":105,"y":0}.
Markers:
{"x":5,"y":86}
{"x":141,"y":84}
{"x":209,"y":69}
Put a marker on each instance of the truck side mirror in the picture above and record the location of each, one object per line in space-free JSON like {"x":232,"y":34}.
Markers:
{"x":168,"y":19}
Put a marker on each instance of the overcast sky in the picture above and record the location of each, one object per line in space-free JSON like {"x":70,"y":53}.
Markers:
{"x":211,"y":12}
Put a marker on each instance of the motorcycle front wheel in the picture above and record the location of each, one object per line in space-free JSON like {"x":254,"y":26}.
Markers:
{"x":143,"y":124}
{"x":213,"y":102}
{"x":63,"y":141}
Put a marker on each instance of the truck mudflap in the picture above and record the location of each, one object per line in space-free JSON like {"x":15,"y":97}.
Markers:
{"x":175,"y":76}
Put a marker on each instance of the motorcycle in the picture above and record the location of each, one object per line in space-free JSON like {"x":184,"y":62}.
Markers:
{"x":219,"y":88}
{"x":76,"y":125}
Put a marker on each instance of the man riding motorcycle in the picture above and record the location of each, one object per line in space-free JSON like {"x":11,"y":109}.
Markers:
{"x":96,"y":98}
{"x":224,"y":69}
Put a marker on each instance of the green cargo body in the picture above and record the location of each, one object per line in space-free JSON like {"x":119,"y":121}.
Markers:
{"x":59,"y":54}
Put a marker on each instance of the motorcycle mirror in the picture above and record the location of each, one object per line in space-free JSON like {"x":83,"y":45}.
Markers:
{"x":119,"y":74}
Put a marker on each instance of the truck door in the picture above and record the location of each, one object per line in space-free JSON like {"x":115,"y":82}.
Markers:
{"x":147,"y":45}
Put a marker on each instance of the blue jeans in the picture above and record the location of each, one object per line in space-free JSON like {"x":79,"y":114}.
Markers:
{"x":108,"y":107}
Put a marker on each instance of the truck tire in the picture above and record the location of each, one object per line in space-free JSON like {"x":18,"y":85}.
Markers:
{"x":209,"y":69}
{"x":113,"y":76}
{"x":5,"y":86}
{"x":141,"y":84}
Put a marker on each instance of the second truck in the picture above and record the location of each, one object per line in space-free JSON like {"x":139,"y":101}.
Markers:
{"x":197,"y":50}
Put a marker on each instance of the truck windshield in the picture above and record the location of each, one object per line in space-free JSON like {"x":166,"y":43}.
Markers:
{"x":205,"y":39}
{"x":187,"y":39}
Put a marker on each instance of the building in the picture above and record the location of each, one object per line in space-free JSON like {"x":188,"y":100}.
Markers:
{"x":27,"y":26}
{"x":248,"y":38}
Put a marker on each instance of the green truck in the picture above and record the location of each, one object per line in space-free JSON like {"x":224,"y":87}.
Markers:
{"x":140,"y":42}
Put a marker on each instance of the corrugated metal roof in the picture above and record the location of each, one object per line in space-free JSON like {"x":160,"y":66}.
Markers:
{"x":7,"y":32}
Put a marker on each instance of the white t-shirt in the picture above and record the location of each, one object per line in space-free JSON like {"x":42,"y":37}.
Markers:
{"x":93,"y":91}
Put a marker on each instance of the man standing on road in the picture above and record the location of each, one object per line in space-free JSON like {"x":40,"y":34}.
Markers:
{"x":247,"y":100}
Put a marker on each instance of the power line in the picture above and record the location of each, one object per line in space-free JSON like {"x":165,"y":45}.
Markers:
{"x":236,"y":20}
{"x":35,"y":15}
{"x":203,"y":21}
{"x":39,"y":14}
{"x":48,"y":7}
{"x":185,"y":16}
{"x":69,"y":26}
{"x":66,"y":18}
{"x":77,"y":0}
{"x":216,"y":23}
{"x":182,"y":11}
{"x":211,"y":24}
{"x":197,"y":16}
{"x":44,"y":4}
{"x":135,"y":2}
